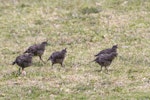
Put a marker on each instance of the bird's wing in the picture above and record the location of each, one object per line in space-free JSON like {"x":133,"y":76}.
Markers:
{"x":101,"y":58}
{"x":107,"y":57}
{"x":105,"y":51}
{"x":31,"y":49}
{"x":40,"y":47}
{"x":25,"y":58}
{"x":57,"y":55}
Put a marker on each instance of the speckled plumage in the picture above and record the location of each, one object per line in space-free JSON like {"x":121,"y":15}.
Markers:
{"x":58,"y":57}
{"x":104,"y":60}
{"x":37,"y":49}
{"x":23,"y":61}
{"x":108,"y":51}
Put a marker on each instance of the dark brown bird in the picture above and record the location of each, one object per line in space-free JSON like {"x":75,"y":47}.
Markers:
{"x":37,"y":49}
{"x":58,"y":57}
{"x":23,"y":61}
{"x":104,"y":60}
{"x":108,"y":51}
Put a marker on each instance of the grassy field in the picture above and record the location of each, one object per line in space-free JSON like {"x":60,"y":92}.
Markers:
{"x":84,"y":27}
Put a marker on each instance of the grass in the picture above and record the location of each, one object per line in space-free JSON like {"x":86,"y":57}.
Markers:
{"x":84,"y":27}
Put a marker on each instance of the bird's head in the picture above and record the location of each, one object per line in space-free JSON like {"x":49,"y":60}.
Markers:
{"x":45,"y":42}
{"x":64,"y":51}
{"x":115,"y":46}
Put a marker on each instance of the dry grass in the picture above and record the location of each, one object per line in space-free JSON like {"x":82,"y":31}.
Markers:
{"x":85,"y":28}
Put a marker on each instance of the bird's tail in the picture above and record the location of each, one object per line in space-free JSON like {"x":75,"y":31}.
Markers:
{"x":92,"y":61}
{"x":97,"y":55}
{"x":14,"y":63}
{"x":26,"y":52}
{"x":49,"y":58}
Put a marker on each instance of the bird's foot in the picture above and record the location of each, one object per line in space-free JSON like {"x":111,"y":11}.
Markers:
{"x":24,"y":73}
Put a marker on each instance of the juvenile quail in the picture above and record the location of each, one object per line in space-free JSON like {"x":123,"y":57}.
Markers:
{"x":37,"y":49}
{"x":58,"y":57}
{"x":104,"y":60}
{"x":23,"y":61}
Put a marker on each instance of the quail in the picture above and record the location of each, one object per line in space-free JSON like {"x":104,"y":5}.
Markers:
{"x":23,"y":61}
{"x":37,"y":49}
{"x":104,"y":60}
{"x":58,"y":57}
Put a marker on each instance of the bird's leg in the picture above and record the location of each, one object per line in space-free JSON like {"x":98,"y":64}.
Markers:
{"x":52,"y":65}
{"x":19,"y":71}
{"x":101,"y":68}
{"x":62,"y":65}
{"x":106,"y":69}
{"x":41,"y":59}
